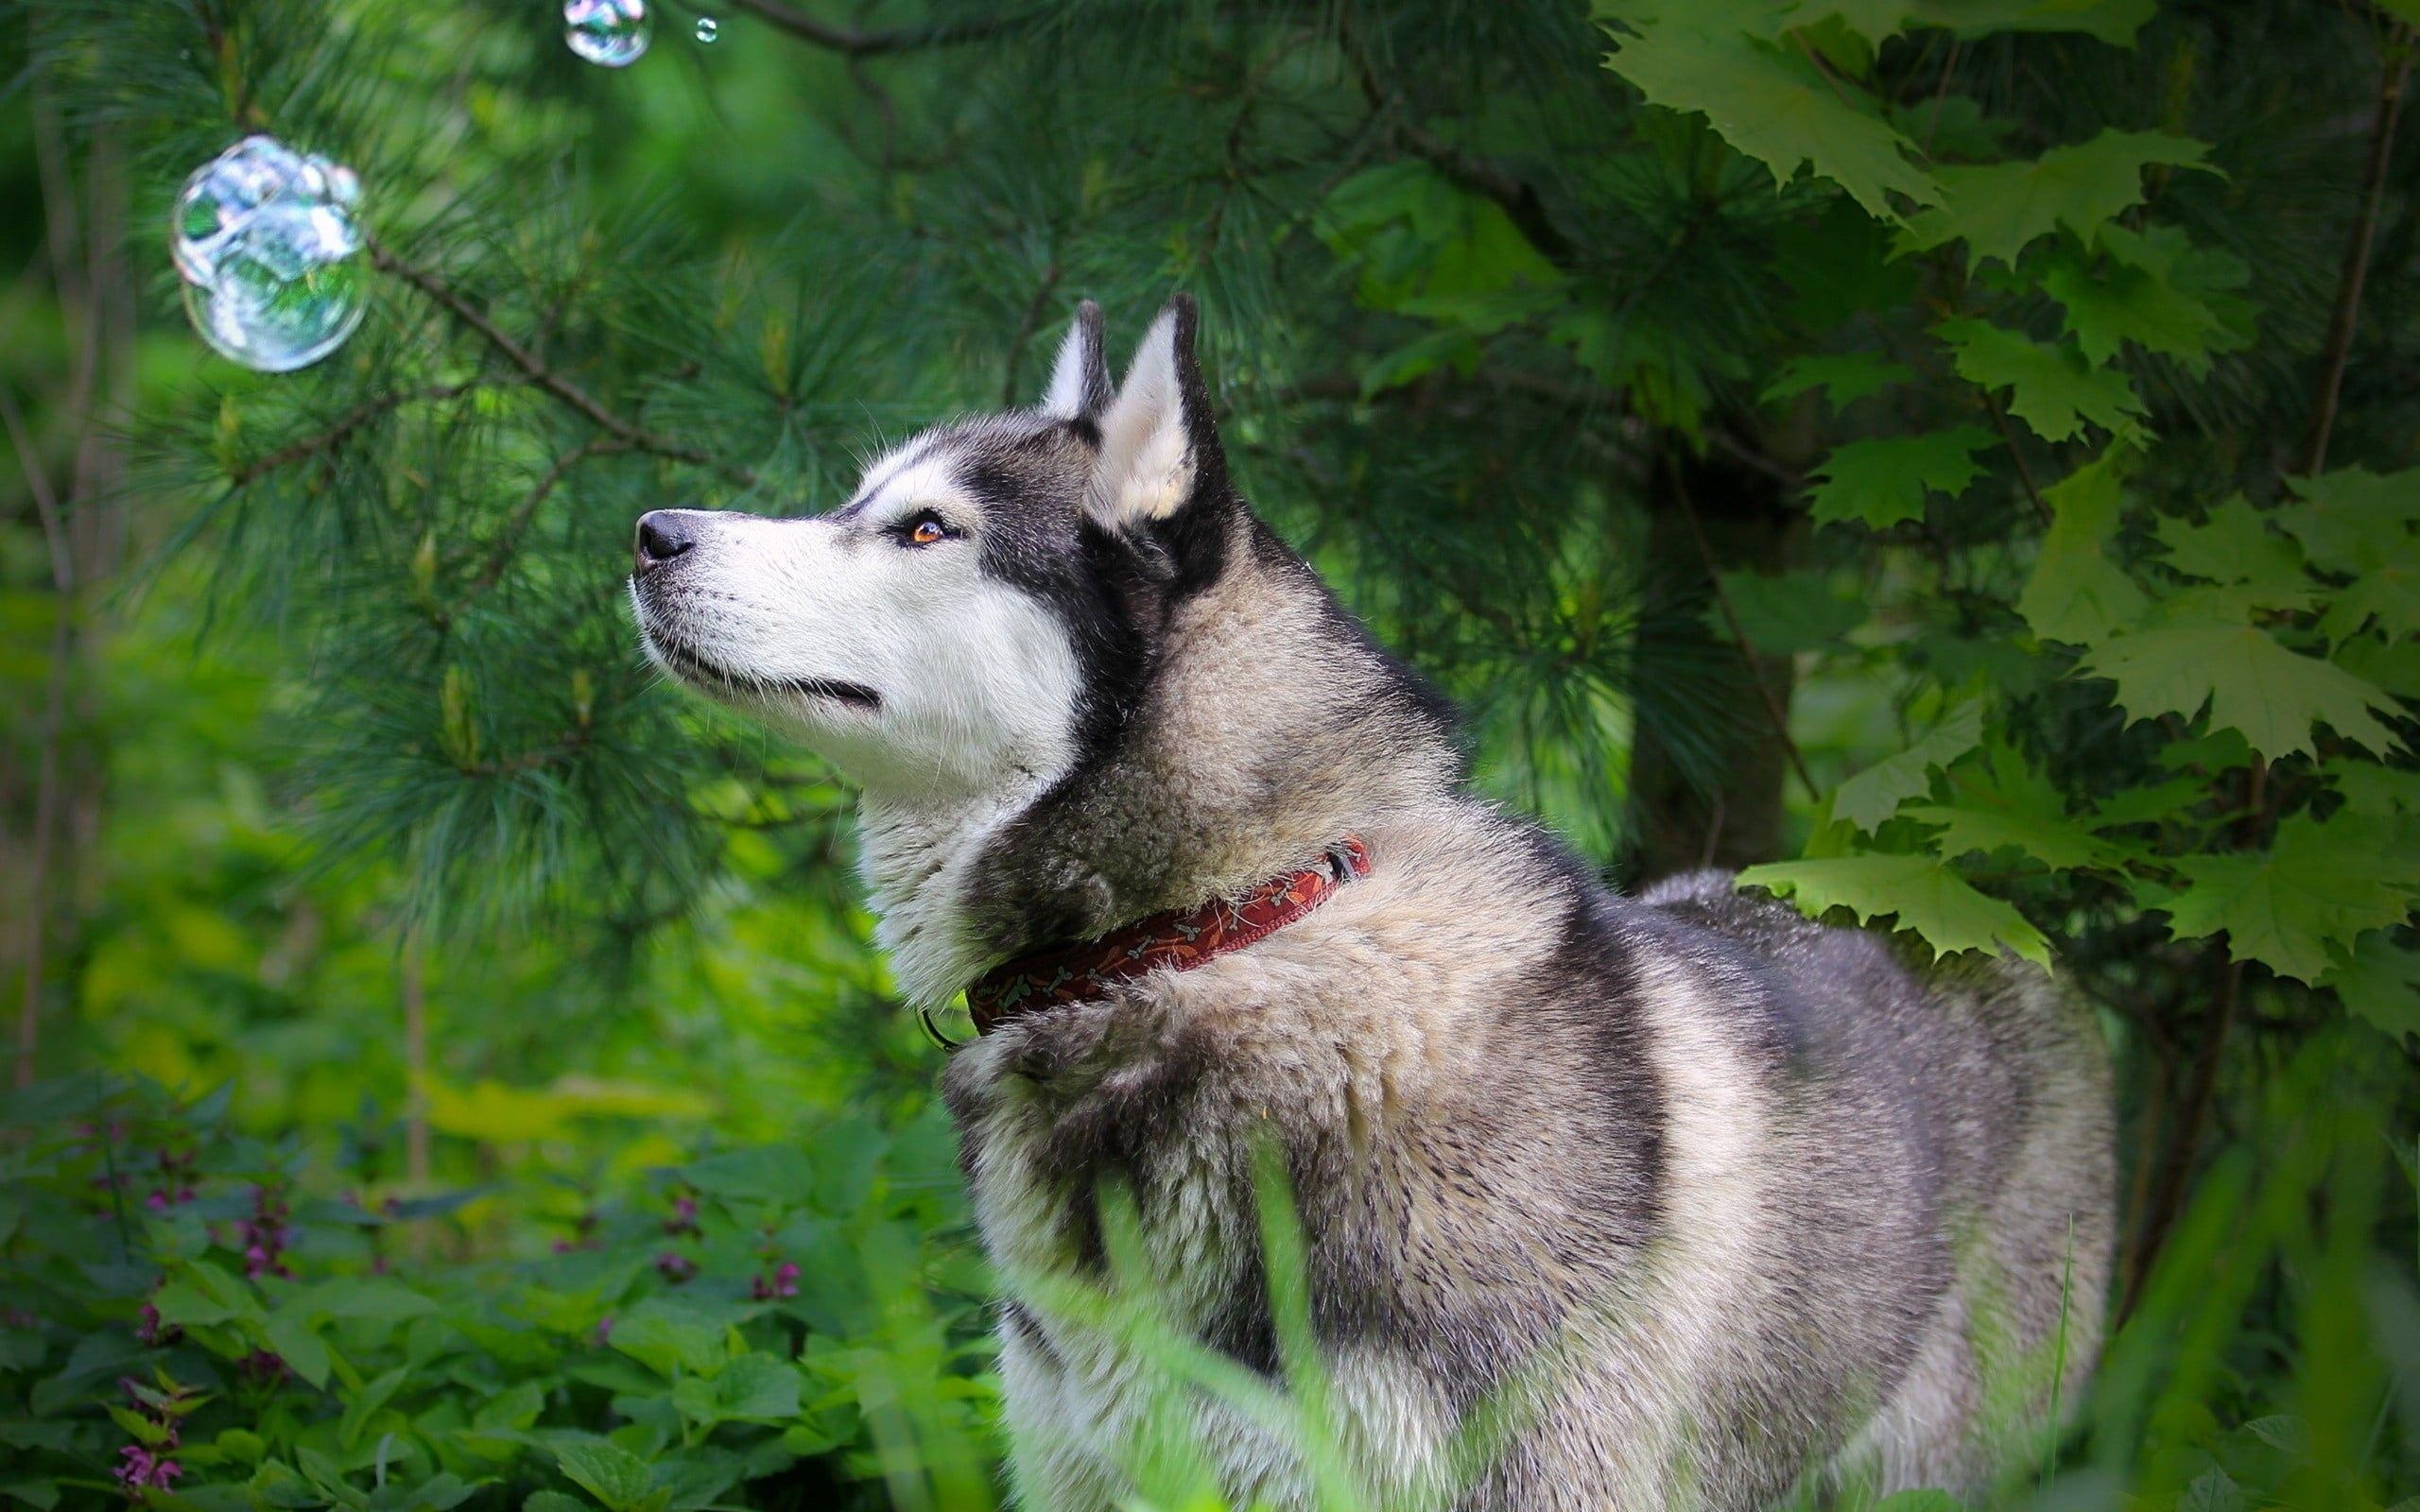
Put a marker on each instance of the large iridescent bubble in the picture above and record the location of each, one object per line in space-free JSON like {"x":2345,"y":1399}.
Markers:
{"x":612,"y":32}
{"x":265,"y":242}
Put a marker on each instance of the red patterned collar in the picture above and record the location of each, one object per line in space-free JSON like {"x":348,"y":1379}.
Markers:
{"x":1177,"y":941}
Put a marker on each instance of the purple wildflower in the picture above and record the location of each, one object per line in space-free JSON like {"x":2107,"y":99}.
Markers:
{"x":784,"y":1282}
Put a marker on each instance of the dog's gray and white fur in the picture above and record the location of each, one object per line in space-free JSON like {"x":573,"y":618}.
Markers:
{"x":1723,"y":1198}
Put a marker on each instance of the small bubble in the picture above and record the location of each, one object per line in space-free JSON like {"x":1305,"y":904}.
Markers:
{"x":612,"y":32}
{"x":708,"y":28}
{"x":265,"y":240}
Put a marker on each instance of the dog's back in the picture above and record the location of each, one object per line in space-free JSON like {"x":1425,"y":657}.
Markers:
{"x":1972,"y":1096}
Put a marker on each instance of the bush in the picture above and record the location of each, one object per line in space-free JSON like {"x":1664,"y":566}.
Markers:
{"x":197,"y":1318}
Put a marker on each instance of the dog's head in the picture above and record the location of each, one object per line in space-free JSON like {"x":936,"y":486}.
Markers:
{"x":974,"y":617}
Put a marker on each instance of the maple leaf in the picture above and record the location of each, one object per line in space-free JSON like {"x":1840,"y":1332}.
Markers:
{"x":2010,"y":805}
{"x":2388,"y":594}
{"x":2233,"y":544}
{"x":2076,"y":593}
{"x":1874,"y":793}
{"x":2352,"y":520}
{"x":2250,"y":682}
{"x":1923,"y":895}
{"x":1772,"y":106}
{"x":1885,"y":480}
{"x":1846,"y":376}
{"x":1999,"y":208}
{"x":2378,"y":982}
{"x":2320,"y":885}
{"x":2130,"y":304}
{"x":2052,"y":388}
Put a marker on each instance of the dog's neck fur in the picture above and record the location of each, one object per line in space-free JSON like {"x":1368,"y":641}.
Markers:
{"x":1270,"y":724}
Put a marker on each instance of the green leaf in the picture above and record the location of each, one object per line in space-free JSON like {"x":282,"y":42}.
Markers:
{"x":185,"y":1306}
{"x":366,"y":1298}
{"x":2369,"y":788}
{"x":41,"y":1495}
{"x":1845,"y":376}
{"x":366,"y":1404}
{"x":2387,"y":596}
{"x":514,"y":1408}
{"x":1999,"y":208}
{"x":2353,"y":520}
{"x":2319,"y":886}
{"x":552,"y":1502}
{"x":1885,"y":480}
{"x":2132,"y":304}
{"x":2248,"y":683}
{"x":1924,"y":895}
{"x":2378,"y":982}
{"x":1873,"y":795}
{"x":757,"y":1387}
{"x":2077,"y":594}
{"x":290,"y":1335}
{"x":668,"y":1337}
{"x":607,"y":1471}
{"x":2052,"y":388}
{"x":1788,"y":612}
{"x":2234,"y":545}
{"x":1772,"y":105}
{"x":758,"y":1174}
{"x":2008,"y":805}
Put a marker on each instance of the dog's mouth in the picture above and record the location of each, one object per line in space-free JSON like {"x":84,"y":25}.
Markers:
{"x":692,"y":665}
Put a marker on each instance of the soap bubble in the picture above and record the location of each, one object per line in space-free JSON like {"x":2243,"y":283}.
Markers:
{"x":265,"y":240}
{"x":612,"y":32}
{"x":708,"y":28}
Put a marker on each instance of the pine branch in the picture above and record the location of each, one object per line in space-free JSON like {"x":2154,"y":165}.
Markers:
{"x":628,"y":432}
{"x":1518,"y":199}
{"x":351,"y":421}
{"x":509,"y":539}
{"x":850,"y":42}
{"x":1026,"y":327}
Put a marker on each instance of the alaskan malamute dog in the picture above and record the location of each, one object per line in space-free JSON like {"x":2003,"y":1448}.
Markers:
{"x":1720,"y":1201}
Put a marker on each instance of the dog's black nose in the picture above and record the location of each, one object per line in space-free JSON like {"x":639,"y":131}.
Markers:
{"x":664,"y":534}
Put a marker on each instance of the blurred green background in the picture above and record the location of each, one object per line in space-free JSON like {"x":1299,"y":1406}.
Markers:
{"x":1953,"y":455}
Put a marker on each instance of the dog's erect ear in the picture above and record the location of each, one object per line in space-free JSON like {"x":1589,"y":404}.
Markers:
{"x":1079,"y":379}
{"x":1159,"y":444}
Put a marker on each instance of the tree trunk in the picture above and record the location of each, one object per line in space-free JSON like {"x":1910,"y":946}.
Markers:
{"x":1708,"y":758}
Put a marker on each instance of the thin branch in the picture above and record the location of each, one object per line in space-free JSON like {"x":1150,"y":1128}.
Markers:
{"x":2349,"y":278}
{"x":1026,"y":327}
{"x":345,"y":425}
{"x":509,"y":539}
{"x":850,"y":42}
{"x":2176,"y":1172}
{"x":1773,"y":710}
{"x":2008,"y":437}
{"x":546,"y":378}
{"x":1518,"y":199}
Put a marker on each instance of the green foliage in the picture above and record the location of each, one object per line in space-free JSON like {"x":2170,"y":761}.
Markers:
{"x":1884,"y":480}
{"x":174,"y":1284}
{"x":1970,"y":348}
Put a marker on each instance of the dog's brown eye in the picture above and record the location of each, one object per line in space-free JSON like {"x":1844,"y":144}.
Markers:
{"x":924,"y":530}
